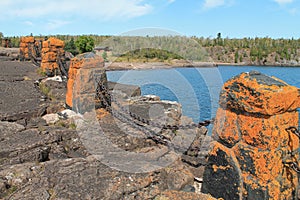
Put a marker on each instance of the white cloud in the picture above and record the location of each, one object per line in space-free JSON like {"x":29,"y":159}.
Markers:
{"x":213,"y":3}
{"x":283,"y":1}
{"x":101,"y":9}
{"x":28,"y":23}
{"x":293,"y":11}
{"x":171,"y":1}
{"x":54,"y":24}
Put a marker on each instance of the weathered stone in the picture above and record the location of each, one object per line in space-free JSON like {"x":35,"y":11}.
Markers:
{"x":222,"y":176}
{"x":225,"y":128}
{"x":26,"y":45}
{"x":85,"y":70}
{"x":87,"y":178}
{"x":19,"y":100}
{"x":161,"y":112}
{"x":51,"y":118}
{"x":175,"y":183}
{"x":35,"y":122}
{"x":269,"y":132}
{"x":258,"y":94}
{"x":253,"y":122}
{"x":264,"y":173}
{"x":52,"y":49}
{"x":38,"y":161}
{"x":84,"y":91}
{"x":126,"y":90}
{"x":180,"y":195}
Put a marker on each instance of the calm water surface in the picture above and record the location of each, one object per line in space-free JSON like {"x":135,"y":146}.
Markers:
{"x":197,"y":89}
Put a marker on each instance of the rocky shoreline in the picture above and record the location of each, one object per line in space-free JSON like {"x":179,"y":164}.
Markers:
{"x":12,"y":54}
{"x":43,"y":154}
{"x":115,"y":66}
{"x":50,"y":152}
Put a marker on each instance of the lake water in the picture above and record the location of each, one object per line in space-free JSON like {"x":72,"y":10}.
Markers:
{"x":197,"y":89}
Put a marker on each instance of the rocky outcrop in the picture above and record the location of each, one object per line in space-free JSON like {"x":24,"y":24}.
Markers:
{"x":45,"y":154}
{"x":26,"y":43}
{"x":125,"y":89}
{"x":86,"y":71}
{"x":52,"y":50}
{"x":30,"y":47}
{"x":255,"y":152}
{"x":20,"y":100}
{"x":9,"y":54}
{"x":180,"y":195}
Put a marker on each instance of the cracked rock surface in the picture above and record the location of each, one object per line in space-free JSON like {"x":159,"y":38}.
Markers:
{"x":40,"y":160}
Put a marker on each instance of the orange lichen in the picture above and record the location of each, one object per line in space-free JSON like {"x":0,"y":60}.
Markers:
{"x":26,"y":43}
{"x":80,"y":62}
{"x":269,"y":132}
{"x":51,"y":50}
{"x":253,"y":97}
{"x":216,"y":147}
{"x":256,"y":112}
{"x":225,"y":127}
{"x":223,"y":168}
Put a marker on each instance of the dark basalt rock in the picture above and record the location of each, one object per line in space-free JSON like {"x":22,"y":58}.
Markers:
{"x":41,"y":161}
{"x":222,"y":171}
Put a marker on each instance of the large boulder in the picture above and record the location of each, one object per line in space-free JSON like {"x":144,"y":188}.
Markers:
{"x":256,"y":152}
{"x":87,"y":79}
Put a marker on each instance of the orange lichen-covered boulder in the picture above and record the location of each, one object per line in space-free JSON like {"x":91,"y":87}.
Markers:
{"x":53,"y":49}
{"x":25,"y":44}
{"x":86,"y":72}
{"x":258,"y":94}
{"x":254,"y":144}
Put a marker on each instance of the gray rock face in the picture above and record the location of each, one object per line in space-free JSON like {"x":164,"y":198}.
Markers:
{"x":127,"y":90}
{"x":9,"y":54}
{"x":87,"y":178}
{"x":152,"y":108}
{"x":19,"y":98}
{"x":42,"y":161}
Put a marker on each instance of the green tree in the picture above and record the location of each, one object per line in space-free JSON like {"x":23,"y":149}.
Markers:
{"x":1,"y":36}
{"x":219,"y":36}
{"x":236,"y":56}
{"x":85,"y":44}
{"x":219,"y":39}
{"x":71,"y":47}
{"x":104,"y":56}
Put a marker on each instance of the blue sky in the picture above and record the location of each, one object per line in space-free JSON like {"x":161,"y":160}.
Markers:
{"x":232,"y":18}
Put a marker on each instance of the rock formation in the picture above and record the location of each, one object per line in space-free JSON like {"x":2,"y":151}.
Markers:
{"x":52,"y":50}
{"x":26,"y":45}
{"x":255,"y":152}
{"x":45,"y":159}
{"x":85,"y":72}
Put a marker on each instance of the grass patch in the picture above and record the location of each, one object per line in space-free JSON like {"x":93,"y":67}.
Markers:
{"x":61,"y":124}
{"x":72,"y":126}
{"x":41,"y":72}
{"x":44,"y":89}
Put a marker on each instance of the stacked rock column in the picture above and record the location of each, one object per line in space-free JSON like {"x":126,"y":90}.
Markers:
{"x":86,"y":73}
{"x":254,"y":153}
{"x":25,"y":44}
{"x":51,"y":50}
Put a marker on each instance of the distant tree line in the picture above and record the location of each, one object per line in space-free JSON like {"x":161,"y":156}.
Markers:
{"x":250,"y":50}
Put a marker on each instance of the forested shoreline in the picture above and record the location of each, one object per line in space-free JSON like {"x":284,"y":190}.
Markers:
{"x":243,"y":51}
